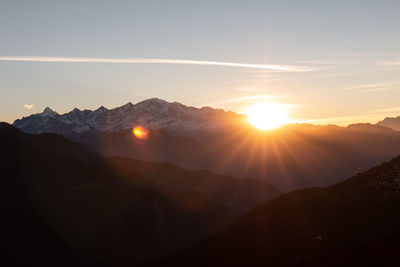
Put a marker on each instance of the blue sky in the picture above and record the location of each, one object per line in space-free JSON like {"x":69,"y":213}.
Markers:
{"x":348,"y":53}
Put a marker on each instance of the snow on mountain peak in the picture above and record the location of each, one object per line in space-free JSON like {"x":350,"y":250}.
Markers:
{"x":48,"y":112}
{"x":156,"y":114}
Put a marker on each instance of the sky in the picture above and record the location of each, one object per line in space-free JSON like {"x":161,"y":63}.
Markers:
{"x":330,"y":61}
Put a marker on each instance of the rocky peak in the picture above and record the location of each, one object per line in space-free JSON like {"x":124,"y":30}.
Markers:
{"x":48,"y":112}
{"x":127,"y":107}
{"x":173,"y":118}
{"x":101,"y":109}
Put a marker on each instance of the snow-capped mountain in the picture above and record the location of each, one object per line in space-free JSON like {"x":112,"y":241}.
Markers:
{"x":155,"y":114}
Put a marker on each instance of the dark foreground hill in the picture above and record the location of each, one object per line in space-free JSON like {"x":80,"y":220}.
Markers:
{"x":62,"y":205}
{"x":353,"y":223}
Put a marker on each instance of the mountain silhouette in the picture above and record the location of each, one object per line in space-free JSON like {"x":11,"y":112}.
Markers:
{"x":58,"y":196}
{"x":353,"y":223}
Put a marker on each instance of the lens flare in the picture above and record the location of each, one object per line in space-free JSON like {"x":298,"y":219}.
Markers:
{"x":140,"y":132}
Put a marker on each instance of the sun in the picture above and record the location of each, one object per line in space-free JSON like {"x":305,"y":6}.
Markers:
{"x":268,"y":116}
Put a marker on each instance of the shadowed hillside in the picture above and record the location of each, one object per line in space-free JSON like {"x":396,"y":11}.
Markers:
{"x":353,"y":223}
{"x":59,"y":197}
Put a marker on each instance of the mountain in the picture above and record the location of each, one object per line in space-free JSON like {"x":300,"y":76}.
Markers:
{"x":156,"y":114}
{"x":393,"y":123}
{"x":238,"y":194}
{"x":293,"y":157}
{"x":58,"y":198}
{"x":353,"y":223}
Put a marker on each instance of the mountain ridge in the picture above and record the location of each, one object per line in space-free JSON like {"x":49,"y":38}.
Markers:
{"x":391,"y":122}
{"x":156,"y":114}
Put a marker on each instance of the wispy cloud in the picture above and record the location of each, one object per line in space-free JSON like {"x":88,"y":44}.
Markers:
{"x":28,"y":106}
{"x":272,"y":67}
{"x":391,"y":63}
{"x":378,"y":89}
{"x":344,"y":120}
{"x":358,"y":54}
{"x":327,"y":62}
{"x":386,"y":110}
{"x":250,"y":98}
{"x":368,"y":117}
{"x":244,"y":99}
{"x":371,"y":87}
{"x":249,"y":89}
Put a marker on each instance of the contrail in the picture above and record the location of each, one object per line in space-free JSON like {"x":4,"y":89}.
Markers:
{"x":285,"y":68}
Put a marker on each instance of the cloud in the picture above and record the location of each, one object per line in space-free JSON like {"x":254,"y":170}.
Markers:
{"x":240,"y":102}
{"x":367,"y":86}
{"x":327,"y":62}
{"x":27,"y":106}
{"x":358,"y":54}
{"x":386,"y":110}
{"x":372,"y":87}
{"x":391,"y":63}
{"x":272,"y":67}
{"x":378,"y":89}
{"x":253,"y":97}
{"x":343,"y":120}
{"x":249,"y":89}
{"x":368,"y":117}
